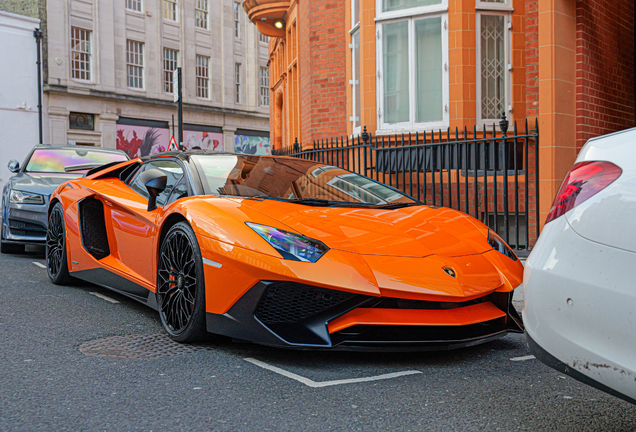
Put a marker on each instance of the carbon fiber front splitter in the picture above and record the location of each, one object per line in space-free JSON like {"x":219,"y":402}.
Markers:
{"x":310,"y":333}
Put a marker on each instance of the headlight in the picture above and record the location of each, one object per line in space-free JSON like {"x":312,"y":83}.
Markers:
{"x":291,"y":246}
{"x":20,"y":197}
{"x":500,"y":246}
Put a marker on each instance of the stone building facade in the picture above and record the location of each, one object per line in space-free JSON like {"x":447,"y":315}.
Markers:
{"x":109,"y":66}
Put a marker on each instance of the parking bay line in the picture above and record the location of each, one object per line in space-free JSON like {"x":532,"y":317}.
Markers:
{"x":314,"y":384}
{"x":39,"y":264}
{"x":524,"y":358}
{"x":103,"y":297}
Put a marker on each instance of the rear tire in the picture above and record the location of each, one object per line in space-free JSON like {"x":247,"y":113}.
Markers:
{"x":56,"y":260}
{"x":180,"y":285}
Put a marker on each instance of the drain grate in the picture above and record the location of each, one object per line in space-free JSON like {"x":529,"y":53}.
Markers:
{"x":139,"y":346}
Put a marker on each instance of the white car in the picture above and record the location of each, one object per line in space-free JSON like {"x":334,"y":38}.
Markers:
{"x":580,"y":280}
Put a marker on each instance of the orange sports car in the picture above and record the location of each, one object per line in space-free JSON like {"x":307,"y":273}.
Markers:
{"x":283,"y":252}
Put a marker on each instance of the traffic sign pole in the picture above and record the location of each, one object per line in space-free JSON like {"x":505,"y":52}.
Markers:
{"x":180,"y":83}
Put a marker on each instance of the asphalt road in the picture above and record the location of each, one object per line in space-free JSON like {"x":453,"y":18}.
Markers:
{"x":48,"y":384}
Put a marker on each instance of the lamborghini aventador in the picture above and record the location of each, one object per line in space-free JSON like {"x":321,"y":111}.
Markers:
{"x":283,"y":252}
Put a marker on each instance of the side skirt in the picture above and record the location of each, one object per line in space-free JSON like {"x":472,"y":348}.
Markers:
{"x":121,"y":285}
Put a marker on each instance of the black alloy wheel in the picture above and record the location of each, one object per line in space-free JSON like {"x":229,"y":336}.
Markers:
{"x":180,"y":285}
{"x":56,"y":262}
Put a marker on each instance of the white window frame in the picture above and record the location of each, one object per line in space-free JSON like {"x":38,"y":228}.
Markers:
{"x":88,"y":54}
{"x":237,"y":83}
{"x":508,"y":62}
{"x":485,"y":5}
{"x":264,"y":39}
{"x":171,"y":72}
{"x":237,"y":19}
{"x":140,"y":66}
{"x":356,"y":127}
{"x":264,"y":89}
{"x":203,"y":78}
{"x":132,"y":2}
{"x":205,"y":12}
{"x":176,"y":10}
{"x":412,"y":126}
{"x":406,"y":13}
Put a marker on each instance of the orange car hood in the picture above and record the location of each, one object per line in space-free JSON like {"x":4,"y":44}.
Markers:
{"x":410,"y":232}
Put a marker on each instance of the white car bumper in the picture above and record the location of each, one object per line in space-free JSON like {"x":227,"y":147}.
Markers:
{"x":580,"y":308}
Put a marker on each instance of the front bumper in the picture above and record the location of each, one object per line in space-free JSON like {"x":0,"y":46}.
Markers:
{"x":24,"y":223}
{"x":579,"y":303}
{"x":290,"y":315}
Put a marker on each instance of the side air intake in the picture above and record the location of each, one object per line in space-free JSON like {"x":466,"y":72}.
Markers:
{"x":93,"y":227}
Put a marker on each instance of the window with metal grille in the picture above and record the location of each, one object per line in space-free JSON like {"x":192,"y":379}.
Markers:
{"x":263,"y":38}
{"x":134,"y":5}
{"x":201,"y":8}
{"x":169,"y":67}
{"x":203,"y":77}
{"x":80,"y":54}
{"x":264,"y":78}
{"x":237,"y":82}
{"x":237,"y":20}
{"x":135,"y":64}
{"x":492,"y":71}
{"x":170,"y":10}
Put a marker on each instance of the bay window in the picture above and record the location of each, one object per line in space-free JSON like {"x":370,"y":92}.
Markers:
{"x":412,"y":64}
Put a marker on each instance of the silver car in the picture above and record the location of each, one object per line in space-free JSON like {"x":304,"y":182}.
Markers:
{"x":25,"y":197}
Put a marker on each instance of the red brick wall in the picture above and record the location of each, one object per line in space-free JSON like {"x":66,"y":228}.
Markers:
{"x":605,"y":67}
{"x":532,"y":58}
{"x":323,"y":80}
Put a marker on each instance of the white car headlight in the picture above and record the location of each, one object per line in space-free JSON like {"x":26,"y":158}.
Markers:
{"x":290,"y":245}
{"x":20,"y":197}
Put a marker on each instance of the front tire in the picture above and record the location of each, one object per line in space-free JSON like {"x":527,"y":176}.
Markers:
{"x":180,"y":285}
{"x":56,"y":261}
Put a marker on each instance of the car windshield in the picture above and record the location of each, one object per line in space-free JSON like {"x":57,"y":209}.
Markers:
{"x":291,"y":179}
{"x":54,"y":160}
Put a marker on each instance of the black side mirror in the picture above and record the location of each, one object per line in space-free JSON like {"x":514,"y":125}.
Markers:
{"x":155,"y":181}
{"x":14,"y":166}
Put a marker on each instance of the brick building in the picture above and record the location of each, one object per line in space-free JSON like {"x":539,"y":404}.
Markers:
{"x":399,"y":66}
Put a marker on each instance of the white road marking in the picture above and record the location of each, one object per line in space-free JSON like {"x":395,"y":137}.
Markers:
{"x":314,"y":384}
{"x":39,"y":264}
{"x":103,"y":297}
{"x":524,"y":358}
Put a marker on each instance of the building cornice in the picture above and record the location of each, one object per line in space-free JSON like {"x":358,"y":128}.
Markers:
{"x":53,"y":88}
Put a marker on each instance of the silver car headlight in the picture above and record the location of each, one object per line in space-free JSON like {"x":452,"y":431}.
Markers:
{"x":21,"y":197}
{"x":289,"y":245}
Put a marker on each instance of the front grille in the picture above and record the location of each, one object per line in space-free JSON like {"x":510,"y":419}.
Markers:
{"x":290,"y":302}
{"x":26,"y":228}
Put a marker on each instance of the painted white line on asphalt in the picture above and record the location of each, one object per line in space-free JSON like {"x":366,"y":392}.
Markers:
{"x":103,"y":297}
{"x":314,"y":384}
{"x":39,"y":264}
{"x":524,"y":358}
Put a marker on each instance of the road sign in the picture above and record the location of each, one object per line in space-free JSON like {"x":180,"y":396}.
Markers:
{"x":175,"y":85}
{"x":173,"y":144}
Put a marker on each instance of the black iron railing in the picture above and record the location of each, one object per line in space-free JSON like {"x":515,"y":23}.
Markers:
{"x":489,"y":174}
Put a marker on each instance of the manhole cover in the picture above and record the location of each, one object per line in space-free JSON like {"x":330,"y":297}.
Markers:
{"x":139,"y":346}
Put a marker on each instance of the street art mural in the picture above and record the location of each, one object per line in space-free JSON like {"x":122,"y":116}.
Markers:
{"x":203,"y":140}
{"x":251,"y":145}
{"x":138,"y":141}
